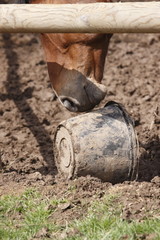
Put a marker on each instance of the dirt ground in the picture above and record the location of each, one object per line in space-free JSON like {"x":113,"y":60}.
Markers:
{"x":29,"y":116}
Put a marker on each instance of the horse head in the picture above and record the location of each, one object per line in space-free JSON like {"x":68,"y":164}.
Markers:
{"x":76,"y":64}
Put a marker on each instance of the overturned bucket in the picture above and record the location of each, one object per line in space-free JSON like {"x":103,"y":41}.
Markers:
{"x":101,"y":143}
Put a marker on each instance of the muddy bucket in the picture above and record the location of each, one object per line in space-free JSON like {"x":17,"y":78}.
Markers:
{"x":101,"y":143}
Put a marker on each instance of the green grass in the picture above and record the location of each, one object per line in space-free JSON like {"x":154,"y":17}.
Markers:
{"x":22,"y":217}
{"x":104,"y":222}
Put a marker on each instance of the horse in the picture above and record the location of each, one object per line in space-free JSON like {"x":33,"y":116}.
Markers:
{"x":75,"y":63}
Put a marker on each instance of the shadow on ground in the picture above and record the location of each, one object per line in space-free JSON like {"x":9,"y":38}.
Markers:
{"x":13,"y":87}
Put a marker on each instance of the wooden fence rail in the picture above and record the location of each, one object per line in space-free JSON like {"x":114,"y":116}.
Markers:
{"x":137,"y":17}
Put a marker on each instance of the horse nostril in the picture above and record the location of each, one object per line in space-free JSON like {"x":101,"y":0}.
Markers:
{"x":70,"y":104}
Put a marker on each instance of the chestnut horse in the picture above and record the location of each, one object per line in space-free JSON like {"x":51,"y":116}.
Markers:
{"x":75,"y":63}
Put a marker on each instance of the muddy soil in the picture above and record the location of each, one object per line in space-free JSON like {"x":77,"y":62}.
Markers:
{"x":29,"y":115}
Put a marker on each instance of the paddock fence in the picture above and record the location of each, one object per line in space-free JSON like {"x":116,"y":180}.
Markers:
{"x":137,"y":17}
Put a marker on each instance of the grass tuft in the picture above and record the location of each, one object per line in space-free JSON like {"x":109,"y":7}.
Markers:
{"x":30,"y":216}
{"x":22,"y":217}
{"x":104,"y":222}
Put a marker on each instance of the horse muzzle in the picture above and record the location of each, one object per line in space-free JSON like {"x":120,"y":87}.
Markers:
{"x":83,"y":98}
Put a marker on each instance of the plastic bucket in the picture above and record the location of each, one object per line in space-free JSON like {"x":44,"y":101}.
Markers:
{"x":101,"y":143}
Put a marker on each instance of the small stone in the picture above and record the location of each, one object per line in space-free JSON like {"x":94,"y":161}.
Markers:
{"x":64,"y":206}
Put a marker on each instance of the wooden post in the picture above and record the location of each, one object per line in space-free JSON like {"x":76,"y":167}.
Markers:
{"x":143,"y":17}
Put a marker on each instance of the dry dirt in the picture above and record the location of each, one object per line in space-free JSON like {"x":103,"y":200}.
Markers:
{"x":29,"y":116}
